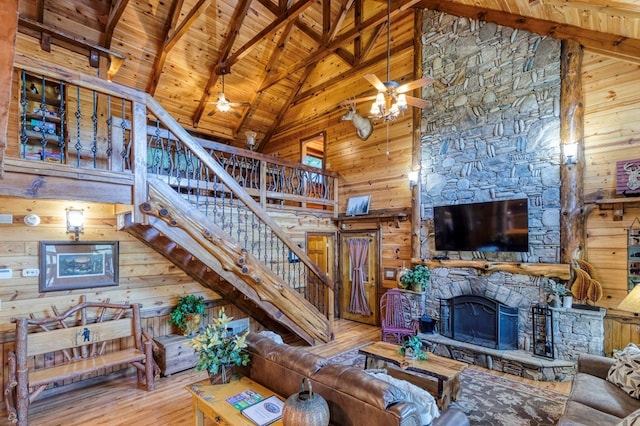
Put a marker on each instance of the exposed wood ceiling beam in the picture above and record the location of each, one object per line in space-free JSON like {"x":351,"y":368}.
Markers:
{"x":173,"y":38}
{"x":232,"y":33}
{"x":285,"y":107}
{"x":342,"y":53}
{"x":40,"y":11}
{"x":75,"y":44}
{"x":612,"y":45}
{"x":338,"y":79}
{"x":114,"y":17}
{"x":275,"y":57}
{"x":342,"y":14}
{"x":291,"y":14}
{"x":397,"y":9}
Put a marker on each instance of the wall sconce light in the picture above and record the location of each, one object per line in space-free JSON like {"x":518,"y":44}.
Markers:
{"x":570,"y":153}
{"x":413,"y":178}
{"x":75,"y":222}
{"x":251,"y":139}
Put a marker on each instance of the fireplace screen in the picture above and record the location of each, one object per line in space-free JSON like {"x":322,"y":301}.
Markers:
{"x":479,"y":320}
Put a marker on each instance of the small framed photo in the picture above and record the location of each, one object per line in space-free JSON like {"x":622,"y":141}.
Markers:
{"x":69,"y":265}
{"x":390,"y":274}
{"x":358,"y":205}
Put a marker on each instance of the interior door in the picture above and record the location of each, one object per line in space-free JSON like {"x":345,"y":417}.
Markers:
{"x":321,"y":249}
{"x":358,"y":300}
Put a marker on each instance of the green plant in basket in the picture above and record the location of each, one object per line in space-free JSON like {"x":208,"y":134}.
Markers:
{"x":186,"y":314}
{"x":416,"y":278}
{"x":216,"y":348}
{"x":412,"y":348}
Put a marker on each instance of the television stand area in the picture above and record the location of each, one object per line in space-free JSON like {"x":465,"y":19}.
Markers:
{"x":559,"y":270}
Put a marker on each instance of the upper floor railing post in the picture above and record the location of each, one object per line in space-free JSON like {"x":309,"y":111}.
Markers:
{"x":139,"y":136}
{"x":263,"y":183}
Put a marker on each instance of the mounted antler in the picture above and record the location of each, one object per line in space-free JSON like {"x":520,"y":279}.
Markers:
{"x":633,"y":182}
{"x":363,"y":125}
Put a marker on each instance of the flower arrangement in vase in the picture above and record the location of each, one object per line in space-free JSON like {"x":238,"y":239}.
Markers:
{"x":555,"y":291}
{"x":218,"y":351}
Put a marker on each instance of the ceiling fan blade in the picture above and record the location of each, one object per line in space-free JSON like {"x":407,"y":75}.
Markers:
{"x":239,"y":104}
{"x":212,"y":112}
{"x":375,"y":82}
{"x":417,"y":102}
{"x":414,"y":84}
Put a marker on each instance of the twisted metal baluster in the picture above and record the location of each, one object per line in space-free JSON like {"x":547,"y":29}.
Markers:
{"x":109,"y":135}
{"x":62,"y":142}
{"x":43,"y":126}
{"x":124,"y":154}
{"x":23,"y":103}
{"x":78,"y":114}
{"x":94,"y":120}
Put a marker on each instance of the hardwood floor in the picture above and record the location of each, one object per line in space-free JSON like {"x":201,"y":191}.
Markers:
{"x":120,"y":402}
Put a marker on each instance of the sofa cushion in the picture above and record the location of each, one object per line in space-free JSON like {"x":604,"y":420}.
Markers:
{"x":632,"y":419}
{"x":625,"y":373}
{"x":576,"y":414}
{"x":423,"y":399}
{"x":358,"y":384}
{"x":291,"y":357}
{"x":602,"y":395}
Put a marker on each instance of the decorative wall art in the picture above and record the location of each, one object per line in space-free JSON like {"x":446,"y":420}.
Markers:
{"x":628,"y":177}
{"x":68,"y":265}
{"x":358,"y":205}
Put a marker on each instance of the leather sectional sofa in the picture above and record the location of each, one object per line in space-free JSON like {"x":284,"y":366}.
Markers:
{"x":354,"y":397}
{"x":594,"y":400}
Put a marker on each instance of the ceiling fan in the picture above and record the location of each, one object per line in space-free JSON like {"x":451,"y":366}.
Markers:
{"x":391,"y":99}
{"x":223,"y":104}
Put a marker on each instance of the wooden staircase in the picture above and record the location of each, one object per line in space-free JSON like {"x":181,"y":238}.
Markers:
{"x":190,"y":240}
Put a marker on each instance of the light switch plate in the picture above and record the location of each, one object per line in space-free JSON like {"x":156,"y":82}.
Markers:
{"x":6,"y":219}
{"x":5,"y":273}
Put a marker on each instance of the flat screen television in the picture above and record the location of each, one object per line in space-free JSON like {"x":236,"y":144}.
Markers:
{"x":493,"y":226}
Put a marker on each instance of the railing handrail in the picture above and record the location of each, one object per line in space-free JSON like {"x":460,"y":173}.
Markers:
{"x":189,"y":141}
{"x":264,"y":157}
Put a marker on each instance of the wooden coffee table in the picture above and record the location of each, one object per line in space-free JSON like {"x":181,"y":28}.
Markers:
{"x":210,"y":401}
{"x":445,"y":385}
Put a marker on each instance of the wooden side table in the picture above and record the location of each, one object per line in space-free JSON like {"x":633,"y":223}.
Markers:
{"x":210,"y":401}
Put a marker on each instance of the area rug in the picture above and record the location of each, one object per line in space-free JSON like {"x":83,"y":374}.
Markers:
{"x":492,"y":400}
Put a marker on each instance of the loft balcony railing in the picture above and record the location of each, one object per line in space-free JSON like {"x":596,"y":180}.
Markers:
{"x":78,"y":126}
{"x":86,"y":128}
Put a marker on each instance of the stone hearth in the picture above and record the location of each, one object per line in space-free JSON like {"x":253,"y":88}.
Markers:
{"x":516,"y":362}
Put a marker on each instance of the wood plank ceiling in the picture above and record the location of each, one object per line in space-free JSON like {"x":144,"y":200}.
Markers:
{"x":285,"y":61}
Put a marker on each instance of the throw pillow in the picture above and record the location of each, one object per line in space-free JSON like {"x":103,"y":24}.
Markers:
{"x":625,"y":373}
{"x":632,"y":419}
{"x":423,"y":399}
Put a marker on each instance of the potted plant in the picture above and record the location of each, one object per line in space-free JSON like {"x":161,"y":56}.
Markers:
{"x":412,"y":348}
{"x":416,"y":278}
{"x":218,"y":351}
{"x":555,"y":291}
{"x":187,"y":313}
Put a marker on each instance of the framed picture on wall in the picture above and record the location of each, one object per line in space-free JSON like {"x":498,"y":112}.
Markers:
{"x":69,"y":265}
{"x":358,"y":205}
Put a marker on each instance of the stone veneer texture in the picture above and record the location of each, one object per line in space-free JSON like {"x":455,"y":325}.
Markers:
{"x":492,"y":133}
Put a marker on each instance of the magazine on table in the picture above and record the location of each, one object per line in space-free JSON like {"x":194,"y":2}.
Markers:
{"x":245,"y":399}
{"x":265,"y":412}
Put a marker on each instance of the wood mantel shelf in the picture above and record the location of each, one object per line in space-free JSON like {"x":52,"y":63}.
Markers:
{"x":395,"y":215}
{"x":549,"y":270}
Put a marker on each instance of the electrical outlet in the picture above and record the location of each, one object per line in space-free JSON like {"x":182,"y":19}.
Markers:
{"x":30,"y":272}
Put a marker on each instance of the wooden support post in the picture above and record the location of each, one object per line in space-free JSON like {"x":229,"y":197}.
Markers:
{"x":139,"y":140}
{"x":416,"y":150}
{"x":572,"y":218}
{"x":8,"y":30}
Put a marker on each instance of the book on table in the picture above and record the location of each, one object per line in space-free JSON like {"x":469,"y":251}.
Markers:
{"x":265,"y":411}
{"x":244,"y":399}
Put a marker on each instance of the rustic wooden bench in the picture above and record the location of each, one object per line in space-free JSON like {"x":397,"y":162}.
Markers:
{"x":81,"y":334}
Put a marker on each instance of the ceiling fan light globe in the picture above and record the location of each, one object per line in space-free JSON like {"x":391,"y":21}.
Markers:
{"x":380,"y":100}
{"x":402,"y":101}
{"x":223,"y":106}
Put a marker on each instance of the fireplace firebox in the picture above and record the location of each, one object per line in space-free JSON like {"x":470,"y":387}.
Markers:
{"x":479,"y":320}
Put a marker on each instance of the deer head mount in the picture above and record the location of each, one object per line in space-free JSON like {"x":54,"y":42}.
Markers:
{"x":363,"y":125}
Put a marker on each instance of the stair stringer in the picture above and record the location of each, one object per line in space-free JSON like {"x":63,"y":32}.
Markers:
{"x":264,"y":314}
{"x":193,"y":230}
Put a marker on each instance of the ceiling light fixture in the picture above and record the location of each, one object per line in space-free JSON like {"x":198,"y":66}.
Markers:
{"x":251,"y":139}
